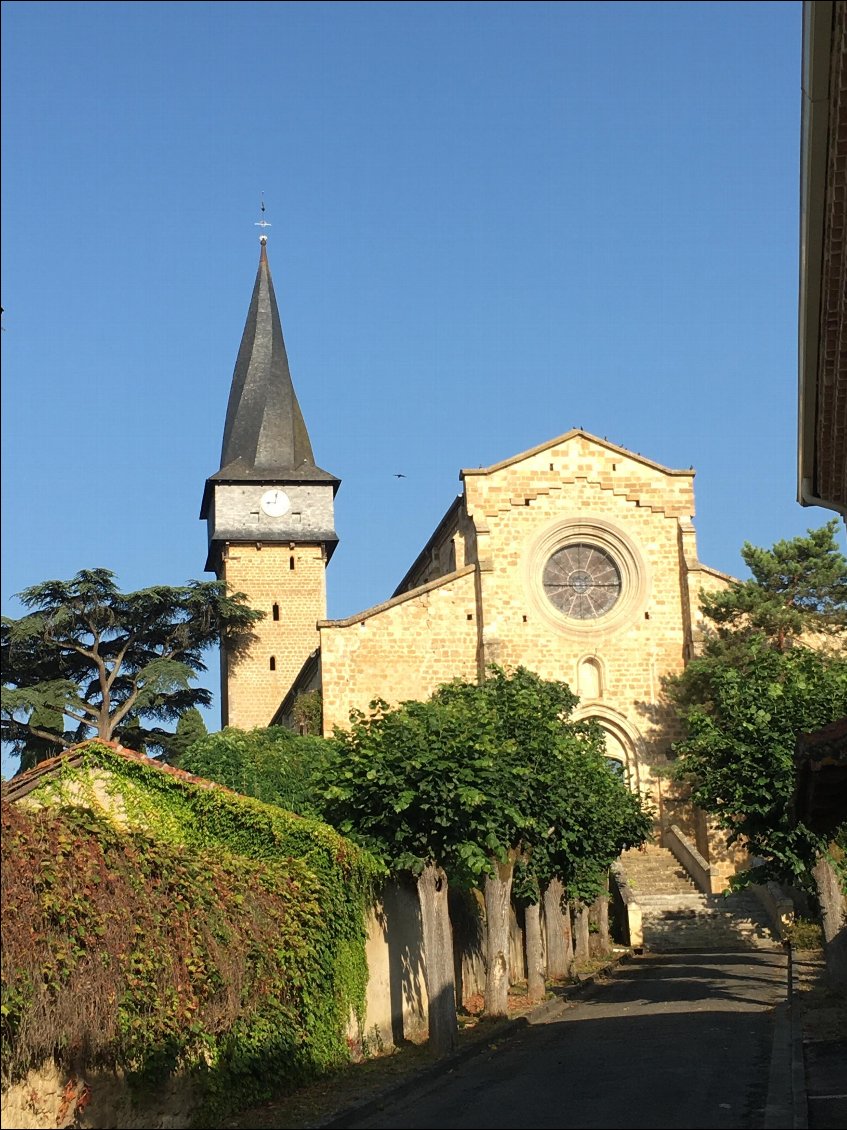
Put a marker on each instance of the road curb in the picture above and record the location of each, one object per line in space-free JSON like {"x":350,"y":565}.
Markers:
{"x":800,"y":1099}
{"x":779,"y":1107}
{"x":787,"y":1102}
{"x":544,"y":1012}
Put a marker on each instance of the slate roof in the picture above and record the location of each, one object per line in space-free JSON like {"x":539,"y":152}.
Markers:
{"x":635,"y":455}
{"x":265,"y":435}
{"x":822,"y":353}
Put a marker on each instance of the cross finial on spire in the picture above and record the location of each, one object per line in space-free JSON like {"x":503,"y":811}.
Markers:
{"x":262,"y":222}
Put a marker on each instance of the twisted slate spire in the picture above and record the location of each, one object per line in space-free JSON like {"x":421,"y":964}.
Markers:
{"x":265,"y":435}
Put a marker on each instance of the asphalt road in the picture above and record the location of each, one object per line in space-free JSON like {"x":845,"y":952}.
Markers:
{"x":671,"y":1041}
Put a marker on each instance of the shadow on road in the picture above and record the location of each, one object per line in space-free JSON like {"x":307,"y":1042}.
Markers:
{"x":670,"y":1041}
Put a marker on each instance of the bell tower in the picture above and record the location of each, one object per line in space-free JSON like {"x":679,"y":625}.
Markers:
{"x":269,"y":512}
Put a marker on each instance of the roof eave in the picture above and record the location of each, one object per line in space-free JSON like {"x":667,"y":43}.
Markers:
{"x":213,"y":558}
{"x":814,"y":127}
{"x":602,"y":442}
{"x":271,"y":478}
{"x":450,"y":516}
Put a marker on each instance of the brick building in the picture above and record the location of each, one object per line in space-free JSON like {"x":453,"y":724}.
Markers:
{"x":576,"y":559}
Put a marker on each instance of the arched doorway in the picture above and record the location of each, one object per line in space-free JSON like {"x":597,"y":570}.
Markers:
{"x":616,"y":754}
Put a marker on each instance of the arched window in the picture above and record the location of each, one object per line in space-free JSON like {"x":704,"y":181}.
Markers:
{"x":273,"y":663}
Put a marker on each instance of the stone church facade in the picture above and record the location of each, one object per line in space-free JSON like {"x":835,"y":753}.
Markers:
{"x":576,"y":559}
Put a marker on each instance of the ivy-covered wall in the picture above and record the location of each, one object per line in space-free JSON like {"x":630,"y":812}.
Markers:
{"x":158,"y":925}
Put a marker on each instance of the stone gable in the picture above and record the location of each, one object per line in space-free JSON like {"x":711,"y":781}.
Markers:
{"x":476,"y":594}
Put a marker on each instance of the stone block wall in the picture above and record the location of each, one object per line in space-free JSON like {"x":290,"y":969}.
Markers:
{"x":402,"y":649}
{"x":293,"y":580}
{"x":579,"y":489}
{"x":451,"y":547}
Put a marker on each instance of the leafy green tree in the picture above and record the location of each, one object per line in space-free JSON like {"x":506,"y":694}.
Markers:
{"x":108,"y":660}
{"x":271,"y":764}
{"x":35,"y":746}
{"x":773,"y":666}
{"x":189,"y":729}
{"x":307,"y":712}
{"x":798,"y":589}
{"x":742,"y":714}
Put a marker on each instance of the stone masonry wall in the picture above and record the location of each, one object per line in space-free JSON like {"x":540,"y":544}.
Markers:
{"x":452,"y":548}
{"x":295,"y":581}
{"x":401,"y":649}
{"x":578,"y":488}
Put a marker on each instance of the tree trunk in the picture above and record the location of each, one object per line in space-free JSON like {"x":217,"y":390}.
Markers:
{"x":600,"y":915}
{"x":438,"y":960}
{"x":498,"y":893}
{"x":558,"y":931}
{"x":535,"y":980}
{"x":593,"y":930}
{"x":834,"y":922}
{"x":582,"y":945}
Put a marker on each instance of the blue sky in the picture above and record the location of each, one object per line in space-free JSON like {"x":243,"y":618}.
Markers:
{"x":491,"y":222}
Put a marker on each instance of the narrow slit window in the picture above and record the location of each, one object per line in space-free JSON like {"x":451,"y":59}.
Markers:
{"x":291,"y":562}
{"x":275,"y":612}
{"x":273,"y":663}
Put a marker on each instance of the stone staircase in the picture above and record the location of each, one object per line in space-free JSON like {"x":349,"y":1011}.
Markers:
{"x":677,"y":916}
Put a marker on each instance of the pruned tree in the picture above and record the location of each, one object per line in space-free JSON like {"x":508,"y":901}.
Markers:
{"x":108,"y":662}
{"x":557,"y":811}
{"x":558,"y":933}
{"x":466,"y":786}
{"x":408,"y":784}
{"x":530,"y":729}
{"x":588,"y":816}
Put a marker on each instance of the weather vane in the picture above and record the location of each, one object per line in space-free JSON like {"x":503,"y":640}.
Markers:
{"x":263,"y":223}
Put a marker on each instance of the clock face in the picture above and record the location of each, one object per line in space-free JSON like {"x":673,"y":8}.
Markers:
{"x":582,"y":581}
{"x":275,"y":503}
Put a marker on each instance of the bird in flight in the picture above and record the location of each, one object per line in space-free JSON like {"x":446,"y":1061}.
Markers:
{"x":398,"y":475}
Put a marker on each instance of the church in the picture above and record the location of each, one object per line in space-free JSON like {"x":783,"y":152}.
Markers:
{"x":576,"y":559}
